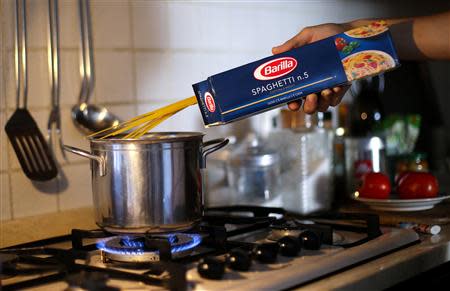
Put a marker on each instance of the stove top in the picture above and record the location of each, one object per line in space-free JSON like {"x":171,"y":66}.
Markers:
{"x":232,"y":248}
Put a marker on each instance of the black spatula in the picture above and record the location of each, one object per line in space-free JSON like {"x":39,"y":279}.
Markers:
{"x":30,"y":146}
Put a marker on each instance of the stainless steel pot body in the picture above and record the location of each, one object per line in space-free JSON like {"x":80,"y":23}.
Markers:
{"x":152,"y":184}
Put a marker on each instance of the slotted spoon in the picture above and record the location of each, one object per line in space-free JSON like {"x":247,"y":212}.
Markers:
{"x":28,"y":142}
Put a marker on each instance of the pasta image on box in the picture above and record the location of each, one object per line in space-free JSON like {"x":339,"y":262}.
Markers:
{"x":273,"y":81}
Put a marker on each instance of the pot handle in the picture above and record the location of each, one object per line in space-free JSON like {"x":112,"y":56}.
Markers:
{"x":215,"y":144}
{"x":100,"y":160}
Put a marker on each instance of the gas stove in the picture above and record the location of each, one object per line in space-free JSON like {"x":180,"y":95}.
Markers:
{"x":238,"y":247}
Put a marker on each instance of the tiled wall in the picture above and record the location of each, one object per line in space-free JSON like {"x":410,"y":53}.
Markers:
{"x":147,"y":54}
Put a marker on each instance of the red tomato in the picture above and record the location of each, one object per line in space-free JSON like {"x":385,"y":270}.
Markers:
{"x":400,"y":176}
{"x":417,"y":185}
{"x":340,"y":43}
{"x":375,"y":185}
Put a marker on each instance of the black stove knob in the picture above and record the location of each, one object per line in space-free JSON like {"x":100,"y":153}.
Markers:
{"x":88,"y":281}
{"x":310,"y":240}
{"x":289,"y":246}
{"x":266,"y":253}
{"x":239,"y":260}
{"x":211,"y":268}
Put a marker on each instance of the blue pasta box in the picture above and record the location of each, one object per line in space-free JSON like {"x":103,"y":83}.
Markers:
{"x":276,"y":80}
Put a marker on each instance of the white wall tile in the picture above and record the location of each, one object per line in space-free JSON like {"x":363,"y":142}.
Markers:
{"x":39,"y":94}
{"x":70,"y":77}
{"x":9,"y":80}
{"x":211,"y":63}
{"x":37,"y":23}
{"x":2,"y":98}
{"x":151,"y":76}
{"x":79,"y":191}
{"x":38,"y":80}
{"x":111,"y":24}
{"x":275,"y":27}
{"x":244,"y":32}
{"x":8,"y":20}
{"x":214,"y":21}
{"x":69,"y":20}
{"x":243,"y":58}
{"x":169,"y":77}
{"x":114,"y":82}
{"x":32,"y":198}
{"x":5,"y":198}
{"x":151,"y":24}
{"x":183,"y":70}
{"x":124,"y":112}
{"x":183,"y":24}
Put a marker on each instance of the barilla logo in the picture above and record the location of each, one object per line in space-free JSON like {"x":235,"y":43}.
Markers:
{"x":275,"y":68}
{"x":209,"y":102}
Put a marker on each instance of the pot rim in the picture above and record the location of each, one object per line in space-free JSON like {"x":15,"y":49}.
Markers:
{"x":152,"y":137}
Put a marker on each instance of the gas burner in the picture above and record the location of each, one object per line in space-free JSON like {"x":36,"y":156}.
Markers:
{"x":286,"y":228}
{"x":141,"y":249}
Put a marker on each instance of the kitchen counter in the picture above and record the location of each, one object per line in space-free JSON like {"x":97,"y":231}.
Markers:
{"x":23,"y":230}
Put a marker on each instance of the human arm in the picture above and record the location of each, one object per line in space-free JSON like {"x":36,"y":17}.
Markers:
{"x":418,"y":38}
{"x":328,"y":97}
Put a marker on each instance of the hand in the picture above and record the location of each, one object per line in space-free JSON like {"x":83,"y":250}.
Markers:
{"x":332,"y":96}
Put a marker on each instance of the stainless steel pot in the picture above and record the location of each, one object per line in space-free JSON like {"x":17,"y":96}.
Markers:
{"x":151,"y":184}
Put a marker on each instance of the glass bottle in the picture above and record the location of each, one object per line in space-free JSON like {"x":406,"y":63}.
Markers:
{"x":418,"y":162}
{"x":365,"y":146}
{"x":366,"y":111}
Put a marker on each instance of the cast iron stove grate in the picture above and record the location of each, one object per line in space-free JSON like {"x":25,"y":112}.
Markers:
{"x":62,"y":263}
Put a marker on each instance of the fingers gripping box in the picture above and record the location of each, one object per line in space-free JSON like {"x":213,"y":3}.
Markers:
{"x":273,"y":81}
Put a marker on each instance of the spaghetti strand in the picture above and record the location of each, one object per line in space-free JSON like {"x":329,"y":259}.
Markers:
{"x":138,"y":126}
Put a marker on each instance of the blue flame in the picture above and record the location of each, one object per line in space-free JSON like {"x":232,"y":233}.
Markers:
{"x":132,"y":246}
{"x":119,"y":251}
{"x":193,"y":242}
{"x":132,"y":243}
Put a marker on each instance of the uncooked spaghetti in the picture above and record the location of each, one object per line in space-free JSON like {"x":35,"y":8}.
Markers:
{"x":140,"y":125}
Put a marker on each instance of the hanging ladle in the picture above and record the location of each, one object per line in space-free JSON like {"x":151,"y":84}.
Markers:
{"x":89,"y":118}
